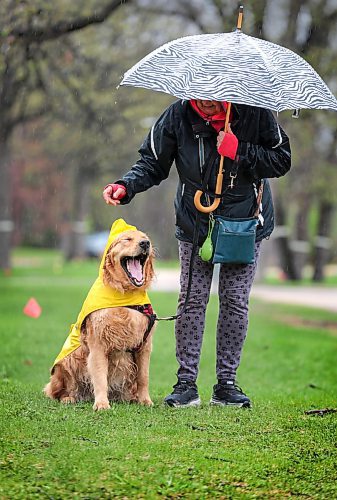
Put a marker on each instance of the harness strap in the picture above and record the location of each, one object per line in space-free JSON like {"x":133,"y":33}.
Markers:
{"x":151,"y":316}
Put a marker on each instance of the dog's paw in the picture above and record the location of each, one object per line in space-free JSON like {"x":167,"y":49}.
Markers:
{"x":145,"y":401}
{"x":101,"y":405}
{"x":67,"y":400}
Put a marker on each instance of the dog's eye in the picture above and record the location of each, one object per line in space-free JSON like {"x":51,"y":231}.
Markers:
{"x":127,"y":239}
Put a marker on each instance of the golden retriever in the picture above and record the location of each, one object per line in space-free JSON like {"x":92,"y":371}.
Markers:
{"x":112,"y":362}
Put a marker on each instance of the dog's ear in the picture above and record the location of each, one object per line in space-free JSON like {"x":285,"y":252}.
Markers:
{"x":108,"y":267}
{"x":149,"y":270}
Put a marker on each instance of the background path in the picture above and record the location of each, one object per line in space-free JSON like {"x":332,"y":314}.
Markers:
{"x":311,"y":296}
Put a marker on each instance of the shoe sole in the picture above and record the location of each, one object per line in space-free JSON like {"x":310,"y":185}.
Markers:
{"x":195,"y":402}
{"x":238,"y":405}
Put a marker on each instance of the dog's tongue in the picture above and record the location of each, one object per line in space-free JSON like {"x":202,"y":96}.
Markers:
{"x":135,"y":269}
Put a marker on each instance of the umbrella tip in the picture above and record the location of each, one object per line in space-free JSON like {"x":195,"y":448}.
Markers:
{"x":240,"y":18}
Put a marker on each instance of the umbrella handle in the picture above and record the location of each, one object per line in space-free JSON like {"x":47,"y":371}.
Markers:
{"x":219,"y":179}
{"x":201,"y":208}
{"x":218,"y":188}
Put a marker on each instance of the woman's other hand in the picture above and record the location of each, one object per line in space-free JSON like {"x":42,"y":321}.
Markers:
{"x":227,"y":144}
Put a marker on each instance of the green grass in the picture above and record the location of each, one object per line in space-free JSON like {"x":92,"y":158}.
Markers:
{"x":274,"y":450}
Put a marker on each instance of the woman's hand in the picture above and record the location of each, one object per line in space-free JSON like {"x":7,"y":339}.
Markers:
{"x":113,"y":193}
{"x":227,"y":144}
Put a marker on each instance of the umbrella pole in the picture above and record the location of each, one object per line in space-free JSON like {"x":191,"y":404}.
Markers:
{"x":240,"y":18}
{"x":219,"y":179}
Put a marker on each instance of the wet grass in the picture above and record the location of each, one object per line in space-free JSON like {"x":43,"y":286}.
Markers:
{"x":274,"y":450}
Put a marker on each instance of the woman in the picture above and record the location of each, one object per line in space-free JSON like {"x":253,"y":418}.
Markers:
{"x":255,"y":148}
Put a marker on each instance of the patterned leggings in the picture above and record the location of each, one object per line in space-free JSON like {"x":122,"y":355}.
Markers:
{"x":235,"y":282}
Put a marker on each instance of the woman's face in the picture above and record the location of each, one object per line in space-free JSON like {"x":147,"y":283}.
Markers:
{"x":209,"y":107}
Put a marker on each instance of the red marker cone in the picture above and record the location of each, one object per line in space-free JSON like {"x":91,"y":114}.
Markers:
{"x":32,"y":308}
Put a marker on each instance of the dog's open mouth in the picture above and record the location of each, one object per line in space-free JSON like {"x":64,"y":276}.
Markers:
{"x":134,"y":268}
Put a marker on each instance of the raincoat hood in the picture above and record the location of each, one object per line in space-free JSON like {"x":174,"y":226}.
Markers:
{"x":101,"y":296}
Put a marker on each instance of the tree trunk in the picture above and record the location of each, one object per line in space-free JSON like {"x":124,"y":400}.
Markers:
{"x":6,"y":222}
{"x":281,"y":237}
{"x":300,"y":247}
{"x":323,"y":241}
{"x":75,"y":248}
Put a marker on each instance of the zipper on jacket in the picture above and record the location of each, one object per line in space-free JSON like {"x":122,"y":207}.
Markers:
{"x":201,"y":154}
{"x":202,"y":161}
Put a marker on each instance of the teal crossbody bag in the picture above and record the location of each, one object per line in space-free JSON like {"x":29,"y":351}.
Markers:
{"x":231,"y":241}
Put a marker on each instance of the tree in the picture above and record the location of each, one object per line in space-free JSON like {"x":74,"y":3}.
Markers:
{"x":25,"y":30}
{"x":101,"y":128}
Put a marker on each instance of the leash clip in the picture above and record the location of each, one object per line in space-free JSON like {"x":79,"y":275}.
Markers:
{"x":232,"y":179}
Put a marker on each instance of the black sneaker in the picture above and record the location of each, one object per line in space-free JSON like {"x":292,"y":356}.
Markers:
{"x":185,"y":393}
{"x":227,"y":393}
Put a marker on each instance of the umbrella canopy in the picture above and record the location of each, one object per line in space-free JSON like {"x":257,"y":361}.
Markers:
{"x":232,"y":67}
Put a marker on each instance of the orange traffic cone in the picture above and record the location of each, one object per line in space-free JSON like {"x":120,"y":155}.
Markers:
{"x":32,"y":308}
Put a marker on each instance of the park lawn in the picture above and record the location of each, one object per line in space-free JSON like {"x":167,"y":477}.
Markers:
{"x":274,"y":450}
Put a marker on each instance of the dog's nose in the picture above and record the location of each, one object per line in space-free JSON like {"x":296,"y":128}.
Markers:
{"x":144,"y":245}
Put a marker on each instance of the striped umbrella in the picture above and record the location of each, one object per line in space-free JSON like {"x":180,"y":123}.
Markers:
{"x":232,"y":67}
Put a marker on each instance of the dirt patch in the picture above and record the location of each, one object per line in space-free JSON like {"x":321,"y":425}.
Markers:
{"x":329,"y":326}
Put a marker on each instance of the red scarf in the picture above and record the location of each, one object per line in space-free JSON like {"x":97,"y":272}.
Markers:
{"x":217,"y":121}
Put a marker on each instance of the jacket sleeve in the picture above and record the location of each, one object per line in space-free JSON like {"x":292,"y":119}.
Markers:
{"x":272,"y":156}
{"x":157,"y":154}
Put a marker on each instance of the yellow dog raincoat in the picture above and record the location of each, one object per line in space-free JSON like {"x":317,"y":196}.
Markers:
{"x":101,"y":296}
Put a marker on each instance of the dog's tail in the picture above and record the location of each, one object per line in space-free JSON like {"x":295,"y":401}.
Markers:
{"x":56,"y":388}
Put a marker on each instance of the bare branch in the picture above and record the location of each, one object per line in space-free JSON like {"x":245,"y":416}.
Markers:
{"x":289,"y":38}
{"x":258,"y":9}
{"x":11,"y":83}
{"x":317,"y":35}
{"x":193,"y":14}
{"x":91,"y":117}
{"x":89,"y":113}
{"x":218,"y":6}
{"x":190,"y":16}
{"x":27,"y":117}
{"x":60,"y":28}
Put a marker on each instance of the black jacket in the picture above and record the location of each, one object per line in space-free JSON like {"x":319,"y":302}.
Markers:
{"x":181,"y":135}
